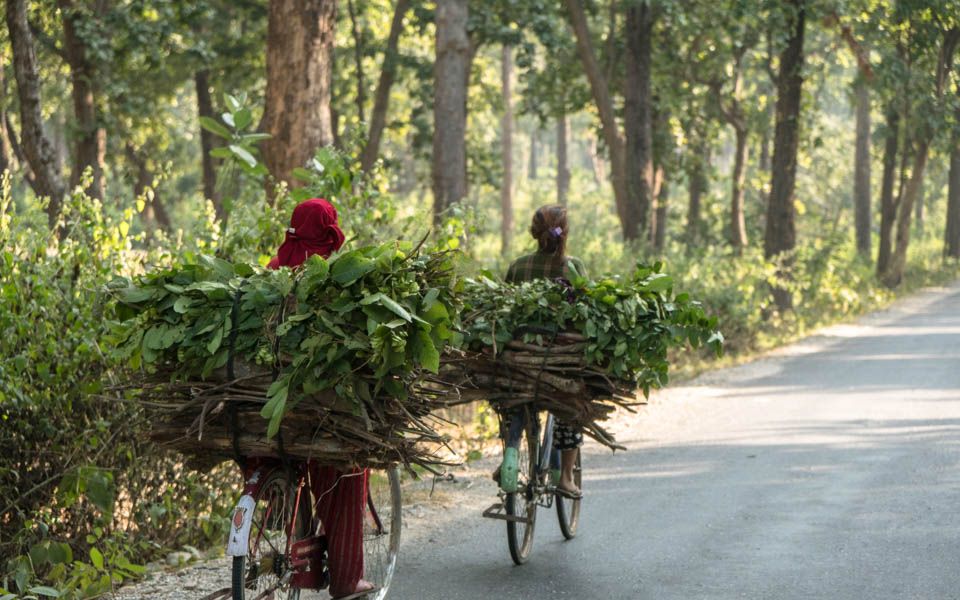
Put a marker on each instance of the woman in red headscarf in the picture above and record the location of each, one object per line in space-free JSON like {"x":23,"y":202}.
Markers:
{"x":340,"y":496}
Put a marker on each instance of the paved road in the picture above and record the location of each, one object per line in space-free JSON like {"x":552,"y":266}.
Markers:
{"x":828,"y":470}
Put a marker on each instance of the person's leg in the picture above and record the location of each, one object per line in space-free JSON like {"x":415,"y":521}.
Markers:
{"x":341,"y":505}
{"x":568,"y":440}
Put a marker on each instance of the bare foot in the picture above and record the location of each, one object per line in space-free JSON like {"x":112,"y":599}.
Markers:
{"x":363,"y":587}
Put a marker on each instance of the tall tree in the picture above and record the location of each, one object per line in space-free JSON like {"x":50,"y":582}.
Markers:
{"x":381,"y":101}
{"x":951,"y":235}
{"x":296,"y":113}
{"x":506,"y":129}
{"x":7,"y":159}
{"x":91,"y":137}
{"x":888,"y":203}
{"x":924,"y":133}
{"x":781,"y":232}
{"x":616,"y":145}
{"x":563,"y":162}
{"x":201,"y":83}
{"x":454,"y":54}
{"x":861,"y":167}
{"x":36,"y":147}
{"x":638,"y":119}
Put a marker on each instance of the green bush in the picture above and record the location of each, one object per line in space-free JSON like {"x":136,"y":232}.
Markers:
{"x":81,"y":492}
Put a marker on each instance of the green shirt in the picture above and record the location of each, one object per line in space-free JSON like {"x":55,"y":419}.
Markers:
{"x":549,"y":266}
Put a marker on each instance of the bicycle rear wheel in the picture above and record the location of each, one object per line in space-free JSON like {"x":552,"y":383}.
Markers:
{"x":381,"y":529}
{"x":523,"y":502}
{"x":266,"y":569}
{"x":568,"y":511}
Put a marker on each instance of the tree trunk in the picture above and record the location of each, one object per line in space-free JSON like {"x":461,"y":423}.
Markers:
{"x":563,"y":167}
{"x":358,"y":60}
{"x":90,"y":148}
{"x":898,"y":260}
{"x":658,"y":177}
{"x":738,"y":224}
{"x":7,"y":160}
{"x":300,"y":35}
{"x":697,"y":184}
{"x":506,"y":187}
{"x":861,"y":169}
{"x":781,"y":236}
{"x":36,"y":147}
{"x":638,"y":120}
{"x":382,"y":96}
{"x":888,"y":206}
{"x":918,"y":213}
{"x":451,"y":74}
{"x":597,"y":166}
{"x":601,"y":95}
{"x":663,"y":195}
{"x":951,"y":241}
{"x":765,"y":144}
{"x":208,"y":143}
{"x":534,"y":153}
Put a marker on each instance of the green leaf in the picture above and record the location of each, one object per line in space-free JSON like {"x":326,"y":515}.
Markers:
{"x":221,"y":152}
{"x":251,"y":138}
{"x":243,"y":155}
{"x":136,"y":295}
{"x":96,"y":558}
{"x":215,"y":128}
{"x":659,"y":282}
{"x":388,"y":303}
{"x":43,"y":590}
{"x":426,"y":353}
{"x":350,"y":267}
{"x":242,"y":118}
{"x":278,"y":411}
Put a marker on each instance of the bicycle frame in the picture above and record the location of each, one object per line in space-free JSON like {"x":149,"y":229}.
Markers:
{"x":306,"y":555}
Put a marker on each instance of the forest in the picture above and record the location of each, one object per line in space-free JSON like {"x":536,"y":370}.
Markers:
{"x":791,"y":163}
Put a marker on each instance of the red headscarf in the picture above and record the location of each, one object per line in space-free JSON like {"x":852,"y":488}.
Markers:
{"x":313,"y":230}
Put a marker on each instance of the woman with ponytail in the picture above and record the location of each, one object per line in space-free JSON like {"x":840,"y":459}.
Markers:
{"x":549,"y":228}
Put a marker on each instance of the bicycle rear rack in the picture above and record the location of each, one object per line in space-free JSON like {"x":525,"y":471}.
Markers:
{"x":496,"y":511}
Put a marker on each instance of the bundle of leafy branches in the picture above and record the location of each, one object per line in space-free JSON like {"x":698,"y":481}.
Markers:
{"x":578,"y":349}
{"x":325,"y":362}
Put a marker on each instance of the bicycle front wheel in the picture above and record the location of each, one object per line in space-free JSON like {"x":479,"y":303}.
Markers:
{"x":266,"y":570}
{"x":568,"y":511}
{"x":381,"y":530}
{"x":523,"y":503}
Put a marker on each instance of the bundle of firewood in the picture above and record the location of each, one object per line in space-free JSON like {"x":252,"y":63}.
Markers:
{"x":556,"y":377}
{"x":220,"y":419}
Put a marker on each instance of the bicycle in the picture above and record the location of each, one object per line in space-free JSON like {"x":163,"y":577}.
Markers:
{"x":279,"y":546}
{"x":538,"y":471}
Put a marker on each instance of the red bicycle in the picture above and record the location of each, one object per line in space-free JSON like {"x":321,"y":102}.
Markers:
{"x":279,"y":547}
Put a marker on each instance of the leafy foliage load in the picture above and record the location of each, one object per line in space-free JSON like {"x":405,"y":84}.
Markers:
{"x":576,"y":349}
{"x":365,"y":325}
{"x":628,"y":325}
